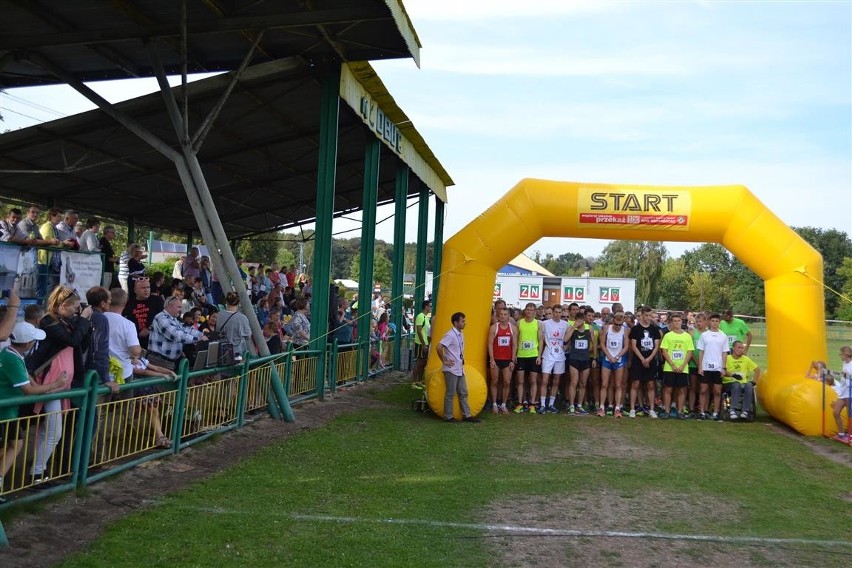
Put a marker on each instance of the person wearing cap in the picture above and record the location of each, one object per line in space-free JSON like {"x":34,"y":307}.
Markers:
{"x":15,"y":381}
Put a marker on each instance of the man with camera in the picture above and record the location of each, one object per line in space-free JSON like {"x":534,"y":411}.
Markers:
{"x":740,"y":376}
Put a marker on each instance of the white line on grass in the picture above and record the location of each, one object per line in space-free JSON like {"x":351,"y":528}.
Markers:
{"x":536,"y":531}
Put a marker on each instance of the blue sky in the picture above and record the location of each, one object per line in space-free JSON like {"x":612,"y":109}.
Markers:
{"x":669,"y":93}
{"x":690,"y":93}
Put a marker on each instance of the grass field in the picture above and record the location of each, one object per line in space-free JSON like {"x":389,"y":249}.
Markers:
{"x":389,"y":487}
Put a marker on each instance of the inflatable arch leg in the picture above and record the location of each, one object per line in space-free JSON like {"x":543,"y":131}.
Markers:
{"x":729,"y":215}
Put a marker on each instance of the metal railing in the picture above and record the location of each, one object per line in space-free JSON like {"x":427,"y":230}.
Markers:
{"x":98,"y":434}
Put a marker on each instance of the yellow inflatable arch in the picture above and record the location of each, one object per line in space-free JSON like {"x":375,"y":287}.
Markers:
{"x":729,"y":215}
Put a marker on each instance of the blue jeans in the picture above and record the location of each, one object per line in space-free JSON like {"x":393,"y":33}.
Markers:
{"x":742,"y":396}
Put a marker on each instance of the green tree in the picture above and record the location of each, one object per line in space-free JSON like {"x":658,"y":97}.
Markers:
{"x":747,"y":295}
{"x":382,"y":270}
{"x":834,"y":246}
{"x":260,"y":248}
{"x":674,"y":285}
{"x":844,"y":310}
{"x":642,"y":260}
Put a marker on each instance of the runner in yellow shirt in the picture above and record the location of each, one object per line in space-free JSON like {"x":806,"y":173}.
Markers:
{"x":677,"y":348}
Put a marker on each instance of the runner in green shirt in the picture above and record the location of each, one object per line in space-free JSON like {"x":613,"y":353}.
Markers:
{"x":736,"y":330}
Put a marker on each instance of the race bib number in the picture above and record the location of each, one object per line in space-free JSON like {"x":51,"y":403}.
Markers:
{"x":504,"y":341}
{"x":647,"y":343}
{"x":527,"y":345}
{"x":557,"y":351}
{"x":677,"y":355}
{"x":614,"y":344}
{"x":581,"y":344}
{"x":711,"y":366}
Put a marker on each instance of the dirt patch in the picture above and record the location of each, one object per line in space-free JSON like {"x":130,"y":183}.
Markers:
{"x":594,"y":513}
{"x":591,"y":443}
{"x":610,"y":511}
{"x":836,"y":452}
{"x":42,"y":538}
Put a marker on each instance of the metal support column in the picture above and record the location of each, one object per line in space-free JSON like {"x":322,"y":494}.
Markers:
{"x":151,"y":247}
{"x":372,"y":154}
{"x":422,"y":238}
{"x":400,"y":199}
{"x":131,"y":231}
{"x":188,"y":241}
{"x":437,"y":250}
{"x":326,"y":180}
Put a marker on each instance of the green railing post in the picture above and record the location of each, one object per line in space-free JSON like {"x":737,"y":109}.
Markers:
{"x":288,"y":370}
{"x":332,"y":371}
{"x":88,"y":410}
{"x":242,"y":393}
{"x":398,"y":257}
{"x":179,"y":411}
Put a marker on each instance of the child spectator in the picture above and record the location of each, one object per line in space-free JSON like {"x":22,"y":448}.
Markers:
{"x":15,"y":381}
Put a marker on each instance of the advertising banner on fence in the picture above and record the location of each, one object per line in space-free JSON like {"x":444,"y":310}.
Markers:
{"x":18,"y":262}
{"x":80,"y":271}
{"x":668,"y":209}
{"x":599,"y":292}
{"x":518,"y":291}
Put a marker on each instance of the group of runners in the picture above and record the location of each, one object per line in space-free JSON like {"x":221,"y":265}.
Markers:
{"x":610,"y":364}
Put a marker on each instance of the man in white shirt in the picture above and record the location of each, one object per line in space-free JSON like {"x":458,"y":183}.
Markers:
{"x":712,"y":352}
{"x":123,"y":340}
{"x":551,"y":345}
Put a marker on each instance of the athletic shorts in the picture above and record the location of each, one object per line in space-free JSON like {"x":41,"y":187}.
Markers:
{"x":676,"y":380}
{"x":528,"y":364}
{"x":502,"y":363}
{"x":605,"y":364}
{"x":710,"y":378}
{"x":421,"y":351}
{"x":639,"y":372}
{"x":553,"y":367}
{"x":580,"y":365}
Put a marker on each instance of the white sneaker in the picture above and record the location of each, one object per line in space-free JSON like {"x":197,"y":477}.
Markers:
{"x":733,"y":415}
{"x":652,"y":413}
{"x":633,"y":413}
{"x":744,"y":414}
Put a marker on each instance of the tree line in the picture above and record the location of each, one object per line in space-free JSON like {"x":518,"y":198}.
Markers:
{"x":708,"y":277}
